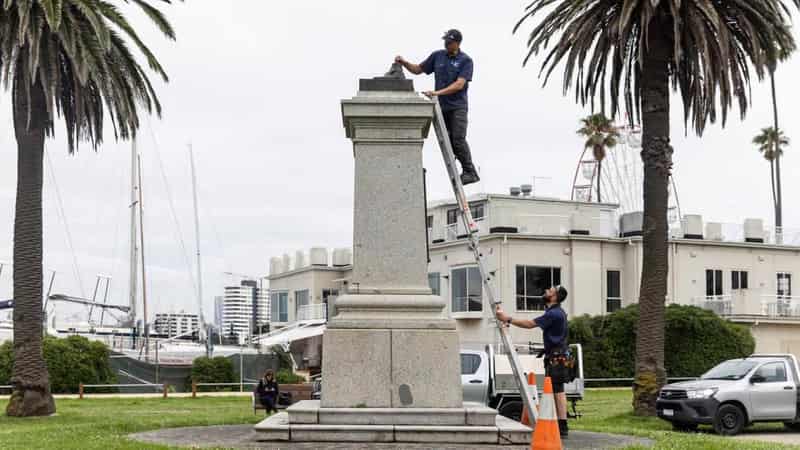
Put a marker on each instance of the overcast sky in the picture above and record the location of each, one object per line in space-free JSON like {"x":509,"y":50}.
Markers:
{"x":255,"y":87}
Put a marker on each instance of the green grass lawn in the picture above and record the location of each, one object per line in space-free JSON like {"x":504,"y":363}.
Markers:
{"x":609,"y":411}
{"x":105,"y":423}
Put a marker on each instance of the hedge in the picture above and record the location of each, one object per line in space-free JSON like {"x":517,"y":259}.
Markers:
{"x":696,"y":340}
{"x":70,"y":362}
{"x":213,"y":370}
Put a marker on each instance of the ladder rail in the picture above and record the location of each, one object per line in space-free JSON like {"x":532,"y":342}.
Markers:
{"x":486,"y":276}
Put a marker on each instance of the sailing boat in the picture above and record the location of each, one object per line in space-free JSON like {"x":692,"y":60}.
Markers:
{"x":132,"y":337}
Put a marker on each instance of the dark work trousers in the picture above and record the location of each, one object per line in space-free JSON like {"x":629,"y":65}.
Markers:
{"x":456,"y":122}
{"x":269,"y":400}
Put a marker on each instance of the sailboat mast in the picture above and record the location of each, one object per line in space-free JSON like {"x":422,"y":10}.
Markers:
{"x":134,"y":255}
{"x":202,"y":322}
{"x":144,"y":271}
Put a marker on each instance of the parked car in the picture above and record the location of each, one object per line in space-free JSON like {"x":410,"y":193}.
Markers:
{"x":735,"y":394}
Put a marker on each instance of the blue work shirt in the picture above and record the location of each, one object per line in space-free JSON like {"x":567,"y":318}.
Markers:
{"x":554,"y":328}
{"x":447,"y":70}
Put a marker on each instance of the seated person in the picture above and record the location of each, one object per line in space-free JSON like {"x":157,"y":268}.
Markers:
{"x":267,"y":391}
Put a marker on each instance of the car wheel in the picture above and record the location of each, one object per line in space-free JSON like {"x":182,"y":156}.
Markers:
{"x":794,"y":426}
{"x":729,"y":420}
{"x":512,"y":410}
{"x":684,"y":427}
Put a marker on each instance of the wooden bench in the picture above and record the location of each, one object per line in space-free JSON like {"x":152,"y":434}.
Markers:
{"x":296,"y":392}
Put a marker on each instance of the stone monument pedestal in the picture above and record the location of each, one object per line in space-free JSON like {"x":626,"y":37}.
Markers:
{"x":391,"y":370}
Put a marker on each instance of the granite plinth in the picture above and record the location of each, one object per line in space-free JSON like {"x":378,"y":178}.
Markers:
{"x":392,"y":368}
{"x":504,"y":432}
{"x":385,"y":84}
{"x":311,"y":412}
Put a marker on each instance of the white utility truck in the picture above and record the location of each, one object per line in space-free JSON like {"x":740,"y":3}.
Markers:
{"x":487,"y":378}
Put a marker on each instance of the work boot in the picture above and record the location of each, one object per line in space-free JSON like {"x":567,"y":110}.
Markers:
{"x":563,"y":428}
{"x":469,"y":177}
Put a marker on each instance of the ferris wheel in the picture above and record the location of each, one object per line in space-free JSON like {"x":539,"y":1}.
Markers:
{"x":621,"y":177}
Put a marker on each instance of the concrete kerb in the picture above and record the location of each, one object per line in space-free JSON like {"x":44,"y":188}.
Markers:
{"x":244,"y":437}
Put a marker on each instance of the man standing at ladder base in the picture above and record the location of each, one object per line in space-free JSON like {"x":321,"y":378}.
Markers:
{"x":453,"y":72}
{"x":554,"y":331}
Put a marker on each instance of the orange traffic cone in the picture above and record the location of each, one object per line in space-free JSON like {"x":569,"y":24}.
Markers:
{"x":546,"y":435}
{"x":532,"y":387}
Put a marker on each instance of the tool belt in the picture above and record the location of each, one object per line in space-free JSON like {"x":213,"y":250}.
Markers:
{"x":562,"y":365}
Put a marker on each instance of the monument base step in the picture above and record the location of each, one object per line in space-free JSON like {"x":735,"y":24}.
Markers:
{"x":311,"y":412}
{"x":504,"y":431}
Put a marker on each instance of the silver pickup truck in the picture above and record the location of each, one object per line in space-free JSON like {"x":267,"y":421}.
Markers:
{"x":735,"y":394}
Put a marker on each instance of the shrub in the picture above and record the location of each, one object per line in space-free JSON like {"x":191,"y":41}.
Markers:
{"x":212,"y":370}
{"x":696,"y":340}
{"x":70,"y":362}
{"x":288,"y":377}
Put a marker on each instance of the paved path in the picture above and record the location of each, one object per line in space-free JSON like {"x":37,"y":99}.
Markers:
{"x":778,"y":437}
{"x":246,"y":393}
{"x":243,"y":437}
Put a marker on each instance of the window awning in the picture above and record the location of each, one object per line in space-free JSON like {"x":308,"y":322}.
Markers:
{"x":294,"y":334}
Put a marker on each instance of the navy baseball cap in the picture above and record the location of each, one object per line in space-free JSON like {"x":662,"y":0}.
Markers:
{"x":452,"y":35}
{"x":561,"y":293}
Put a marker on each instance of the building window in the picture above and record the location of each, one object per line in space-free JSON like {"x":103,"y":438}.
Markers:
{"x":300,"y":300}
{"x":279,"y":311}
{"x":434,"y":281}
{"x":452,"y":216}
{"x":532,"y":281}
{"x":477,"y":210}
{"x":713,"y":283}
{"x":784,"y":285}
{"x":328,"y":293}
{"x":429,"y":221}
{"x":613,"y":291}
{"x":738,"y":279}
{"x":466,"y":289}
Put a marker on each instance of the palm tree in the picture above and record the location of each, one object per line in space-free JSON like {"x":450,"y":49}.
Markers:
{"x":66,"y":58}
{"x":770,"y":143}
{"x":628,"y":52}
{"x":600,"y":134}
{"x":772,"y":62}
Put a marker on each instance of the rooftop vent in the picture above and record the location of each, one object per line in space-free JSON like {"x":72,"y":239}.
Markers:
{"x":514,"y":191}
{"x":526,"y":190}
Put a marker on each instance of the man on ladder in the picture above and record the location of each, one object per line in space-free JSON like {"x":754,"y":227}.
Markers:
{"x":453,"y":72}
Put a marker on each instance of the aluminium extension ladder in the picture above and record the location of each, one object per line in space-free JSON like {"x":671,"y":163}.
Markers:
{"x":529,"y":396}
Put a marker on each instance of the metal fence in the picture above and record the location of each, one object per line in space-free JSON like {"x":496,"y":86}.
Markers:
{"x":622,"y":382}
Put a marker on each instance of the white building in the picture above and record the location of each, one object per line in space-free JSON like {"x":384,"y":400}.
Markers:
{"x":736,"y":270}
{"x":219,"y":310}
{"x":245,"y":309}
{"x":176,"y":324}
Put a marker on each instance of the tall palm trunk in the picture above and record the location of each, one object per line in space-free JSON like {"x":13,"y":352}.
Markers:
{"x":657,"y":158}
{"x":31,"y":395}
{"x":778,"y":199}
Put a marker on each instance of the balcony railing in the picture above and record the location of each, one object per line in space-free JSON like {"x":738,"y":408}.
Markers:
{"x":720,"y":304}
{"x":454,"y":230}
{"x":776,"y":306}
{"x":317,"y":311}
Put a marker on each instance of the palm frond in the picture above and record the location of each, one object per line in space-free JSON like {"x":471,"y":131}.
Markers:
{"x":77,"y":52}
{"x":717,"y":49}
